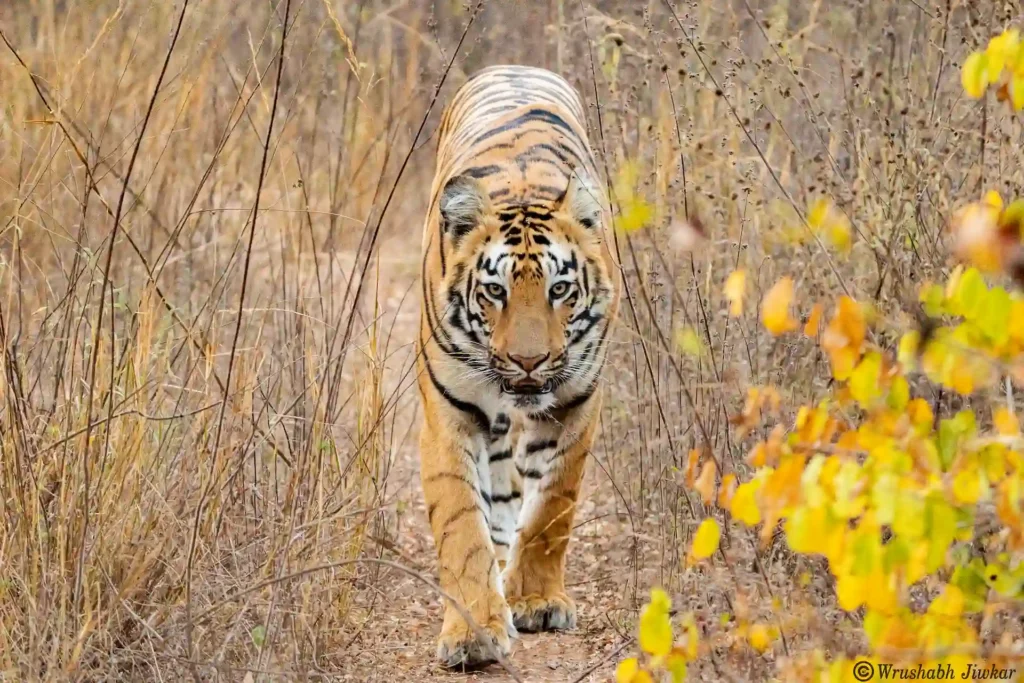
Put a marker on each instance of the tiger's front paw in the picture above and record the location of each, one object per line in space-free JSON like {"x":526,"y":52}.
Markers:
{"x":532,"y":613}
{"x":462,"y":647}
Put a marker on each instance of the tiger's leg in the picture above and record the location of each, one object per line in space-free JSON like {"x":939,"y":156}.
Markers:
{"x":534,"y":581}
{"x":457,"y":507}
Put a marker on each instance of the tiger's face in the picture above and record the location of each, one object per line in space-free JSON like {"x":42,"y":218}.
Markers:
{"x":528,"y":290}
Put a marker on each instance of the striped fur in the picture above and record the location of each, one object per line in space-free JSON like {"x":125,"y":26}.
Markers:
{"x":520,"y":289}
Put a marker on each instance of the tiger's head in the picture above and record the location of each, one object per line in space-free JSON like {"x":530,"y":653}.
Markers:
{"x":529,"y":292}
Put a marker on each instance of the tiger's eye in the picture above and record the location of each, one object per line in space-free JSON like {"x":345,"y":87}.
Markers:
{"x":559,"y":289}
{"x":495,"y":290}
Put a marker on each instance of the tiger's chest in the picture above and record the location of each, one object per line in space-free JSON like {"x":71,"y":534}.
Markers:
{"x":513,"y":461}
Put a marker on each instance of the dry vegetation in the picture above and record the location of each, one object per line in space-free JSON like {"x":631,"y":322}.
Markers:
{"x":209,"y":235}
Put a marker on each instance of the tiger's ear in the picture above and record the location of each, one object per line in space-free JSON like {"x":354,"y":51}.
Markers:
{"x":463,"y":205}
{"x":582,"y":200}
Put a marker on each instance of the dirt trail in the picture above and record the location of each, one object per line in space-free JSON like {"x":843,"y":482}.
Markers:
{"x":402,"y":617}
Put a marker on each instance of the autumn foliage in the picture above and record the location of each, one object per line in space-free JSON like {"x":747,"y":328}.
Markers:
{"x":893,"y":495}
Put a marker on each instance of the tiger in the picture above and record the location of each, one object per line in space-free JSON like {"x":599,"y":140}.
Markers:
{"x":520,"y":290}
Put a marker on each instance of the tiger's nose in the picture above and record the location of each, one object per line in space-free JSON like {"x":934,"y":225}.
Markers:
{"x":528,"y":363}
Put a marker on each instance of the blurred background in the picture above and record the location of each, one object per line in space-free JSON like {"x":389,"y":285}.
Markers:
{"x":209,"y":412}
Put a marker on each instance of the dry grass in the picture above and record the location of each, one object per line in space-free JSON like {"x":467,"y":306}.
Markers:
{"x":190,"y":464}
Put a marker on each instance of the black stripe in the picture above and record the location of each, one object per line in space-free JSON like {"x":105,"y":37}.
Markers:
{"x":451,"y":475}
{"x":535,"y":114}
{"x":470,"y":555}
{"x":460,"y":513}
{"x":582,"y":398}
{"x":474,"y":411}
{"x":530,"y":473}
{"x":482,"y":171}
{"x":501,"y":425}
{"x":501,"y":455}
{"x":497,"y":542}
{"x":506,"y":498}
{"x":540,"y":446}
{"x":437,"y":332}
{"x":555,"y":455}
{"x":551,"y":191}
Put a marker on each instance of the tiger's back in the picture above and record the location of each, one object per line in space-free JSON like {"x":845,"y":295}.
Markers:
{"x":520,"y":289}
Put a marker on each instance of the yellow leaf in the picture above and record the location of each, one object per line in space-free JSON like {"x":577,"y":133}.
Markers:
{"x":655,"y":625}
{"x":735,"y":288}
{"x":705,"y":484}
{"x":967,"y":486}
{"x":813,"y":321}
{"x":676,"y":666}
{"x":1000,"y":50}
{"x":760,"y":637}
{"x":775,"y":307}
{"x":726,"y":491}
{"x":865,"y":380}
{"x":818,"y":213}
{"x":705,"y":541}
{"x":1017,"y":91}
{"x":880,"y":596}
{"x":634,"y":215}
{"x":1005,"y":422}
{"x":974,"y":75}
{"x":899,"y":394}
{"x":692,"y":639}
{"x":949,"y":604}
{"x":803,"y":530}
{"x":975,"y":229}
{"x":660,"y":600}
{"x":758,"y":456}
{"x":692,"y":460}
{"x":840,"y":234}
{"x":851,"y":591}
{"x":844,"y":336}
{"x":961,"y":379}
{"x":744,"y":504}
{"x":627,"y":670}
{"x":920,"y":413}
{"x":909,"y":344}
{"x":994,"y":199}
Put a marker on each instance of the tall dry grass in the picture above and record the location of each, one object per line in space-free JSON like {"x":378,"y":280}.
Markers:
{"x":181,"y":500}
{"x":208,"y":413}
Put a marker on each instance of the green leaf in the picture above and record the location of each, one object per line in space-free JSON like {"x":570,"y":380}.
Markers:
{"x":948,"y":437}
{"x":874,"y":627}
{"x":689,"y":342}
{"x":897,"y":554}
{"x":971,"y":581}
{"x":863,"y":554}
{"x":934,"y":299}
{"x":941,"y":525}
{"x":970,"y":294}
{"x":865,"y":380}
{"x":258,"y":635}
{"x":994,"y":318}
{"x":909,"y":522}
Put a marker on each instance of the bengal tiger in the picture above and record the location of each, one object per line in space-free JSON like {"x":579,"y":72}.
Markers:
{"x":520,"y":291}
